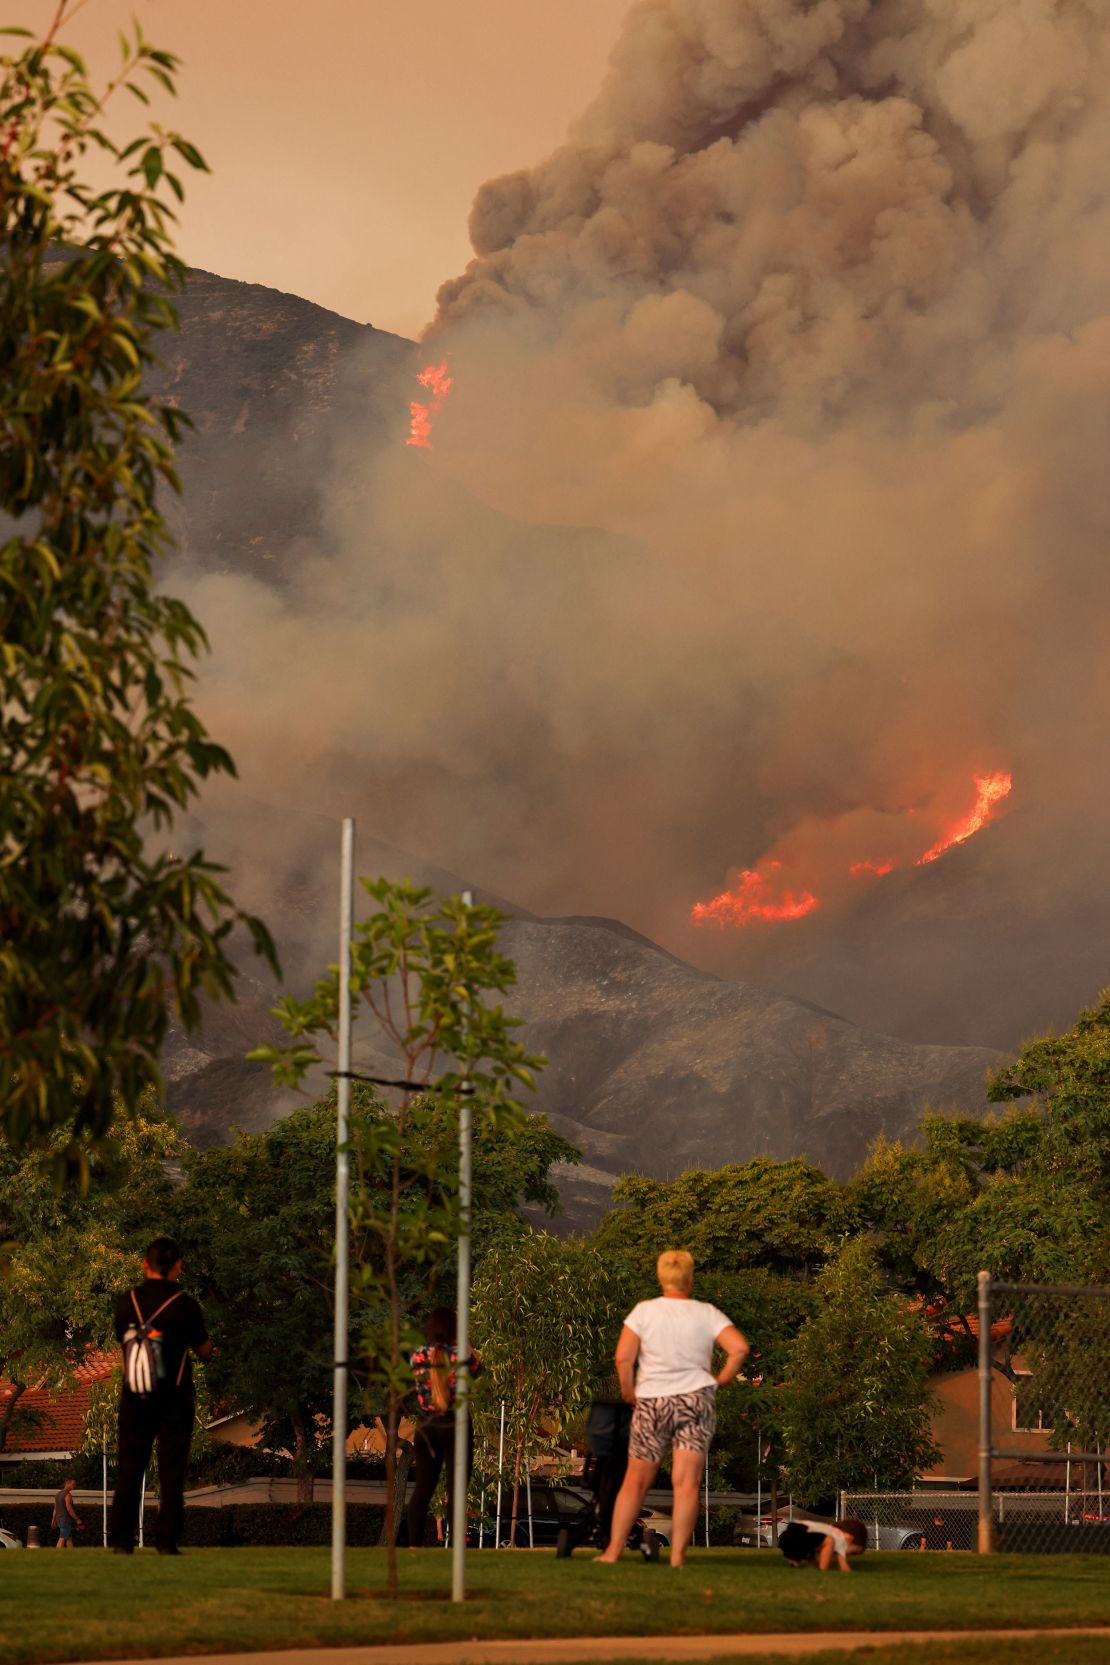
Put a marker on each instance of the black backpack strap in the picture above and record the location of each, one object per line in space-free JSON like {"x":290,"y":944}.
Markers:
{"x":160,"y":1310}
{"x":145,"y":1323}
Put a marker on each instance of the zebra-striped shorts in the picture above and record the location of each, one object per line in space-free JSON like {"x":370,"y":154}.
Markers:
{"x":684,"y":1420}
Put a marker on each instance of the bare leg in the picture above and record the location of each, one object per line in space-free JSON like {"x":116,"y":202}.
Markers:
{"x":630,"y":1498}
{"x":687,"y":1468}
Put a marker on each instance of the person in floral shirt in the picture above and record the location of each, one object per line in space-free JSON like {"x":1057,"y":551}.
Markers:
{"x":434,"y":1374}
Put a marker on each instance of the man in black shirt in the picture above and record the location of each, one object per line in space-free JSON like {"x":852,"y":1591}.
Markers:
{"x":165,"y":1415}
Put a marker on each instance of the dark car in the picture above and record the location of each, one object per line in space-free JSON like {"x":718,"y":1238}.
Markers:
{"x":553,"y":1508}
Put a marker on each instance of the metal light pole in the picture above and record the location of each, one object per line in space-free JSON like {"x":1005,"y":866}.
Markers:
{"x":986,"y":1524}
{"x":500,"y":1472}
{"x":342,"y":1227}
{"x":462,"y":1343}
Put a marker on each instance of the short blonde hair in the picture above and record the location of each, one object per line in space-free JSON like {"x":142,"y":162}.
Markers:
{"x":675,"y":1269}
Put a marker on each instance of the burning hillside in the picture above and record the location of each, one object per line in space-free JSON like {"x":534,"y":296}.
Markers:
{"x":762,"y":895}
{"x":435,"y":379}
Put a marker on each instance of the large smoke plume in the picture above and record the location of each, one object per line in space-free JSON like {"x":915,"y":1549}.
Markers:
{"x":768,"y":505}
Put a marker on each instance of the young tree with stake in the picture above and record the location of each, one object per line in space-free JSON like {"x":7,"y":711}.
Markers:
{"x":424,"y":968}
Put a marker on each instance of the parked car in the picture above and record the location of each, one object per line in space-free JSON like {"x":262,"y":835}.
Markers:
{"x":895,"y":1537}
{"x":555,"y":1507}
{"x":8,"y":1540}
{"x":754,"y":1532}
{"x":654,"y":1520}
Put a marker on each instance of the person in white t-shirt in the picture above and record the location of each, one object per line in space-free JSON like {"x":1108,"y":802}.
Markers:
{"x":673,"y":1393}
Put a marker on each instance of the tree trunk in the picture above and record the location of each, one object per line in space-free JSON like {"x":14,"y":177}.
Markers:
{"x":775,"y":1507}
{"x":10,"y":1403}
{"x":396,"y":1497}
{"x":392,"y":1510}
{"x":302,"y":1460}
{"x":518,"y":1465}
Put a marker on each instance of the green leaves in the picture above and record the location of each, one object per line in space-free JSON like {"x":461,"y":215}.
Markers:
{"x":101,"y":938}
{"x":547,"y":1314}
{"x":71,"y":1251}
{"x":1024,"y":1194}
{"x":424,"y":966}
{"x":857,"y":1411}
{"x":782,"y":1216}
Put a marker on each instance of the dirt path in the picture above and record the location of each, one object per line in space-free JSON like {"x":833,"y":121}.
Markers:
{"x":554,"y":1650}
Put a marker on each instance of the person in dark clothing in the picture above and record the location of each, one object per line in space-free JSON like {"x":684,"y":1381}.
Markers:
{"x":433,"y":1369}
{"x":166,"y":1415}
{"x":65,"y":1516}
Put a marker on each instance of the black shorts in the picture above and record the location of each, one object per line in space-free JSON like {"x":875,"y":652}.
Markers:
{"x":798,"y":1543}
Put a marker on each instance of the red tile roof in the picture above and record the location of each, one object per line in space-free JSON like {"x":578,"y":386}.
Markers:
{"x":59,"y":1412}
{"x":966,"y":1324}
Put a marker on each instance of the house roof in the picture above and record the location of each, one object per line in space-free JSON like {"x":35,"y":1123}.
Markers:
{"x":58,"y":1414}
{"x":959,"y":1324}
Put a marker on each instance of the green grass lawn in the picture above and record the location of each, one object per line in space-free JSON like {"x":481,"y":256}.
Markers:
{"x":87,"y":1604}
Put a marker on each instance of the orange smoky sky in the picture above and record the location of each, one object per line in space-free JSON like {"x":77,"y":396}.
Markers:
{"x":347,"y":137}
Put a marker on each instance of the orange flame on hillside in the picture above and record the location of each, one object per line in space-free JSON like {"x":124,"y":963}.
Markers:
{"x":435,"y":378}
{"x":755,"y":896}
{"x":989,"y":793}
{"x":758,"y":896}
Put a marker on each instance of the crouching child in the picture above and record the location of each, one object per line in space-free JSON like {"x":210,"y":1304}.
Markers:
{"x":817,"y":1543}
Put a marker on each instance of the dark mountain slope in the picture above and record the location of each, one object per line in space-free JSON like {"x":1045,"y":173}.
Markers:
{"x":654,"y":1065}
{"x":269,"y":381}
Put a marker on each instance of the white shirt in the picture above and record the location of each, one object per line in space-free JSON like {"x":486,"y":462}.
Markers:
{"x":840,"y":1541}
{"x":676,"y":1345}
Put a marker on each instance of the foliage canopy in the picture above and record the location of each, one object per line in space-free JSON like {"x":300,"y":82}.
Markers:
{"x":102,"y":935}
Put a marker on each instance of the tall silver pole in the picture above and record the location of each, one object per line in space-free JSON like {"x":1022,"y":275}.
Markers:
{"x":342,"y":1226}
{"x":1098,"y":1472}
{"x":758,"y":1491}
{"x":462,"y":1371}
{"x":104,"y":1490}
{"x":500,"y":1472}
{"x":986,"y":1525}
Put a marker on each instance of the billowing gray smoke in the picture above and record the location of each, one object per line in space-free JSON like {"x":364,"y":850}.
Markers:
{"x":768,"y":505}
{"x":799,"y":209}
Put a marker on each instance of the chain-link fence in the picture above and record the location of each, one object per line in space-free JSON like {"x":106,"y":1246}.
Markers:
{"x":917,"y":1520}
{"x":1044,"y":1417}
{"x":1045,"y":1521}
{"x":1044,"y":1433}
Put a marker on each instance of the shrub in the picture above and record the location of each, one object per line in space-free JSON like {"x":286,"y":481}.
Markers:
{"x":86,"y":1471}
{"x":271,"y":1524}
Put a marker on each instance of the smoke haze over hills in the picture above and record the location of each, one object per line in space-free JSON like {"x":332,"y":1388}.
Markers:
{"x":767,"y":506}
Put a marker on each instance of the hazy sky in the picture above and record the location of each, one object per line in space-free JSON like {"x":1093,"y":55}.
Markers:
{"x":347,"y":137}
